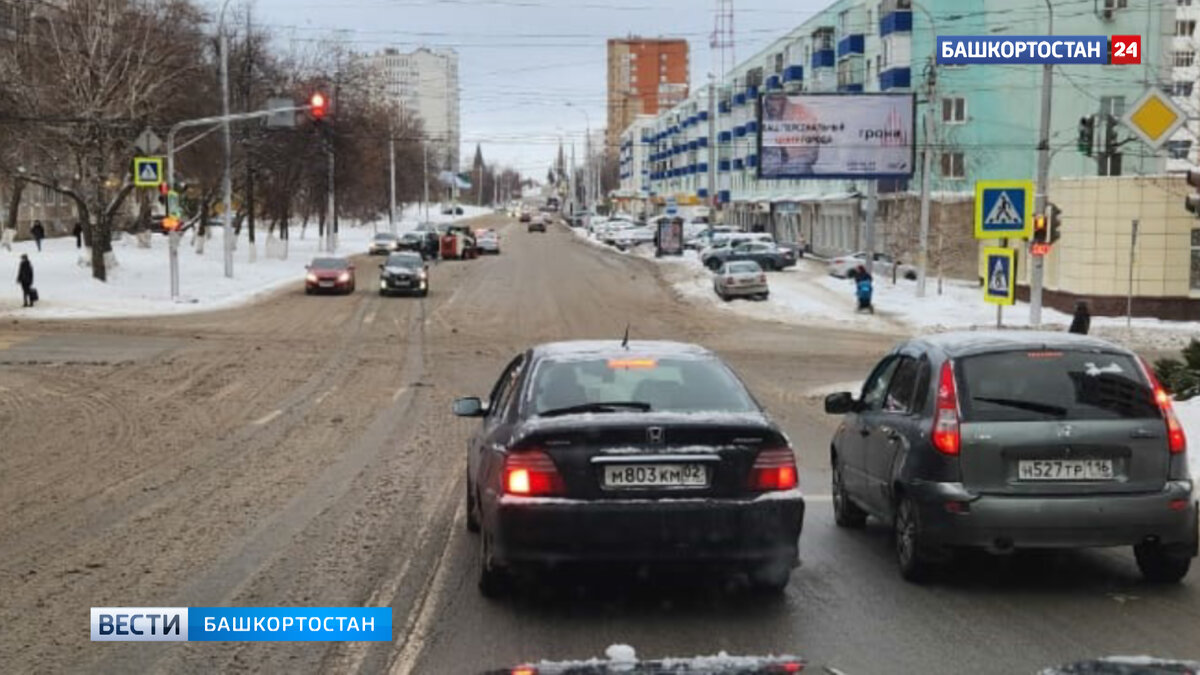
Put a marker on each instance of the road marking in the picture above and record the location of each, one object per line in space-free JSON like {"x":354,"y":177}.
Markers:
{"x":267,"y":418}
{"x":370,"y":319}
{"x":399,"y":392}
{"x":324,"y":395}
{"x":406,"y":661}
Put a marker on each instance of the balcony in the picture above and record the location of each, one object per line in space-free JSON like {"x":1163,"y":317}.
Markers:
{"x":738,"y":164}
{"x":702,"y":167}
{"x":793,"y":74}
{"x":774,"y":83}
{"x":702,"y":116}
{"x":702,"y":193}
{"x":702,"y":142}
{"x":751,"y":93}
{"x":752,"y":161}
{"x":724,"y":136}
{"x":752,"y":126}
{"x":851,"y":45}
{"x":723,"y":196}
{"x":823,"y":58}
{"x":895,"y":78}
{"x":739,"y":131}
{"x":723,"y":165}
{"x":851,"y":88}
{"x":739,"y":99}
{"x":896,"y":22}
{"x":724,"y":108}
{"x":693,"y":144}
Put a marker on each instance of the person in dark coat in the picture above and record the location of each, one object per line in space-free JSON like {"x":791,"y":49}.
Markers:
{"x":25,"y":278}
{"x":78,"y":232}
{"x":1082,"y":320}
{"x":38,"y":232}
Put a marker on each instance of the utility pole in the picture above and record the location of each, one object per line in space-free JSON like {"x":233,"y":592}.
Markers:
{"x":391,"y":178}
{"x":246,"y":141}
{"x":330,"y":205}
{"x":926,"y":170}
{"x":712,"y":149}
{"x":227,"y":178}
{"x":1037,"y":266}
{"x":872,"y":197}
{"x":425,"y":174}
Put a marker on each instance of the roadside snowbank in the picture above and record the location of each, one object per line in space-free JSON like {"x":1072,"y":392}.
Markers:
{"x":140,"y":284}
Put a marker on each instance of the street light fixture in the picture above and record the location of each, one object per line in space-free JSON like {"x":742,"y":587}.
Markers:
{"x":226,"y":181}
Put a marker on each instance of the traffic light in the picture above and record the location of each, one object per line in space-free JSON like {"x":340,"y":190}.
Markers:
{"x":163,"y":188}
{"x":1192,"y":201}
{"x":1087,"y":132}
{"x":1039,"y":229}
{"x":1055,"y":226}
{"x":318,"y":106}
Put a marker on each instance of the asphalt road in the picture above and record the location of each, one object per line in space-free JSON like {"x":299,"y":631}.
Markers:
{"x":301,"y":451}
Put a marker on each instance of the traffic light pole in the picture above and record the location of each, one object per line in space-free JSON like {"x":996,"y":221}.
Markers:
{"x":1037,"y":267}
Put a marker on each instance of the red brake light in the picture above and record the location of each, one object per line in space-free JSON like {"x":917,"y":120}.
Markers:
{"x":531,"y":473}
{"x":1176,"y":438}
{"x":946,"y":436}
{"x":774,"y":469}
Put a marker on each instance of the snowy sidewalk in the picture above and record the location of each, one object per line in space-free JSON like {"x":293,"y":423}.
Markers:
{"x":140,"y":284}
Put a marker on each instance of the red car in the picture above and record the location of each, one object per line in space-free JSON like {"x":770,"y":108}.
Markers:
{"x":333,"y":275}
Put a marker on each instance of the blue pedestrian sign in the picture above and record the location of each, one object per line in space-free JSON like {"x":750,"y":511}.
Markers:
{"x":1003,"y":208}
{"x":147,"y":171}
{"x":999,"y":286}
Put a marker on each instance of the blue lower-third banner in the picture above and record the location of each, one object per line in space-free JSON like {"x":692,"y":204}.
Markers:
{"x":241,"y":624}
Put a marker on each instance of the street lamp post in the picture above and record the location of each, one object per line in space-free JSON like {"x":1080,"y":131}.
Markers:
{"x":226,"y":181}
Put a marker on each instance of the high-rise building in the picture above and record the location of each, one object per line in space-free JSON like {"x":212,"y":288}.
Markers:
{"x":424,"y":83}
{"x":645,"y":75}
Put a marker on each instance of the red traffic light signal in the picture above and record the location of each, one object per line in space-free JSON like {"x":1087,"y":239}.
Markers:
{"x":163,"y":188}
{"x":317,"y":106}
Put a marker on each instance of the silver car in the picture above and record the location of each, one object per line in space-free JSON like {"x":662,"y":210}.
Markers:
{"x":740,"y":279}
{"x":1009,"y":440}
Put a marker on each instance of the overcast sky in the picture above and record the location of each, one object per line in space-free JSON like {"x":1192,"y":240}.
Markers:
{"x":520,"y":60}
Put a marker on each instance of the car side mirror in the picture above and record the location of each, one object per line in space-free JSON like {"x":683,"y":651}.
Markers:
{"x":839,"y":403}
{"x":469,"y":407}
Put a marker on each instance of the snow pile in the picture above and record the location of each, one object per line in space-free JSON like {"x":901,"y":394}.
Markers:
{"x":140,"y":283}
{"x":1189,"y":415}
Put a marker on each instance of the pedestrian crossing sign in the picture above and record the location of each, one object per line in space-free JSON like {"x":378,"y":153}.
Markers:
{"x":1003,"y":208}
{"x":147,"y":171}
{"x":1000,"y":284}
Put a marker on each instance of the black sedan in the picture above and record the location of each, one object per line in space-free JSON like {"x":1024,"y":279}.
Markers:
{"x":404,"y":272}
{"x":646,"y":452}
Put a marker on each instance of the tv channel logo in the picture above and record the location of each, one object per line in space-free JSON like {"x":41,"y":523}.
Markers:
{"x":139,"y":624}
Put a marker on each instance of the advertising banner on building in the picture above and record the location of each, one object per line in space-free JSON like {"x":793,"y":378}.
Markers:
{"x":837,"y":136}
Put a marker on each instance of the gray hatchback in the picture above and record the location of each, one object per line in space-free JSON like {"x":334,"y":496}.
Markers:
{"x":1005,"y":440}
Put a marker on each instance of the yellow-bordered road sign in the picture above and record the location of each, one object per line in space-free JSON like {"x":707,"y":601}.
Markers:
{"x":1003,"y":208}
{"x":147,"y":171}
{"x":1000,"y":280}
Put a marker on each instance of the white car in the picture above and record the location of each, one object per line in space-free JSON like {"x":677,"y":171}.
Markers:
{"x":727,"y":239}
{"x":632,"y":236}
{"x":842,"y":265}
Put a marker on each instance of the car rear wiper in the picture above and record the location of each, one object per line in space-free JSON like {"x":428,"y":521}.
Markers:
{"x":1046,"y":408}
{"x":600,"y":406}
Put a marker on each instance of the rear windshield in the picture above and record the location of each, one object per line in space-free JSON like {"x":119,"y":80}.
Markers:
{"x":666,"y":384}
{"x":1071,"y":385}
{"x":383,"y":236}
{"x":743,"y":268}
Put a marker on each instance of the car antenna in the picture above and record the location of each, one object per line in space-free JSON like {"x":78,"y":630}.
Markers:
{"x":625,"y":340}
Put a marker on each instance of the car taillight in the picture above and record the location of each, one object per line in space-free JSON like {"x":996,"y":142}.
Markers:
{"x":774,"y":469}
{"x":531,"y":473}
{"x":1176,"y":438}
{"x":762,"y":278}
{"x":946,"y":436}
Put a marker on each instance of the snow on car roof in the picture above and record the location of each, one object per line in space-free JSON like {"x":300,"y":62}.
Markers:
{"x":961,"y":343}
{"x":606,"y":348}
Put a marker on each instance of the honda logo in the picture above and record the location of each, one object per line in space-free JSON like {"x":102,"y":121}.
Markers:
{"x":654,"y":435}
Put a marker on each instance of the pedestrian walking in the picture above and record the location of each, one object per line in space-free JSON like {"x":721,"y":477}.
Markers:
{"x":78,"y":232}
{"x":864,"y":289}
{"x":25,"y":279}
{"x":1082,"y":321}
{"x":38,"y":232}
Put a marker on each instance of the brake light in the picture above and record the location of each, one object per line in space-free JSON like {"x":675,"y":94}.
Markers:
{"x":774,"y":469}
{"x":762,"y":278}
{"x":1176,"y":438}
{"x":946,"y":435}
{"x":531,"y":473}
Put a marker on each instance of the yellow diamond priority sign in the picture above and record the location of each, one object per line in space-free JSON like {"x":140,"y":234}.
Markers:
{"x":1154,"y":118}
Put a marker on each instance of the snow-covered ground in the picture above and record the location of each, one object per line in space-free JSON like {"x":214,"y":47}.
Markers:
{"x":807,"y":295}
{"x":140,"y":284}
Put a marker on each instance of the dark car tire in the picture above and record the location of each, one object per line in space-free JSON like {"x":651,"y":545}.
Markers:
{"x":846,"y":513}
{"x":424,"y":293}
{"x":909,"y":540}
{"x":769,"y":266}
{"x":713,"y":264}
{"x":494,"y":582}
{"x":911,"y":276}
{"x":1163,"y":564}
{"x":771,"y":578}
{"x":472,"y":513}
{"x":383,"y":294}
{"x":308,"y":291}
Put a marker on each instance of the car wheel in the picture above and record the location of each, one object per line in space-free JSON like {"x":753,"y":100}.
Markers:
{"x":713,"y":265}
{"x":912,"y":547}
{"x":425,"y":293}
{"x":726,"y":297}
{"x":771,"y":578}
{"x":1161,"y":563}
{"x":472,"y":512}
{"x":845,"y":512}
{"x":308,"y":291}
{"x":768,"y":265}
{"x":911,"y":276}
{"x":493,"y":581}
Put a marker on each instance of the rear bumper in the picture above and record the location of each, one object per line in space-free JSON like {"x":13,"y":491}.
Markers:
{"x":1056,"y":522}
{"x":756,"y":289}
{"x":550,"y":531}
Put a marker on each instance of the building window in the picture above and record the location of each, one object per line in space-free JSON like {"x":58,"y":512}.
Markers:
{"x":843,"y":19}
{"x":953,"y":165}
{"x":1194,"y":280}
{"x":1185,"y":28}
{"x":954,"y":110}
{"x":1178,"y":149}
{"x":869,"y":22}
{"x":1112,"y":105}
{"x":1184,"y":57}
{"x":1181,"y":88}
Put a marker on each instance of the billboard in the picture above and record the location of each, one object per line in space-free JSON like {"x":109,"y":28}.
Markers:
{"x":836,"y":136}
